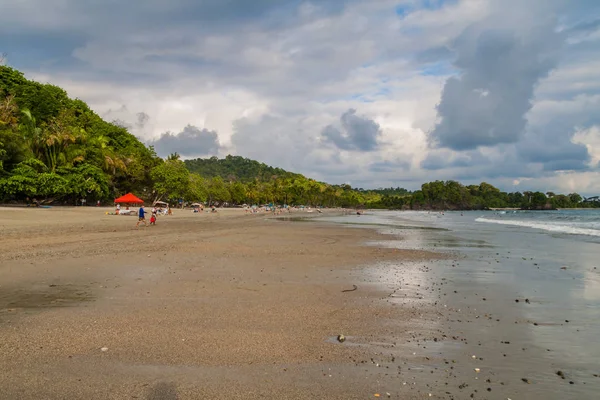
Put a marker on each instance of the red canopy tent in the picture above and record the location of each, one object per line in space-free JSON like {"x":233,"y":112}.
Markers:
{"x":129,"y":198}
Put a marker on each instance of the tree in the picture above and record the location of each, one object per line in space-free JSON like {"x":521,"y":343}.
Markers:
{"x":217,"y":191}
{"x":237,"y":191}
{"x":575,"y":198}
{"x":197,"y":190}
{"x":538,"y":200}
{"x":171,"y":180}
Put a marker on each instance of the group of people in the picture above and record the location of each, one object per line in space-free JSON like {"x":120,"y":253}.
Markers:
{"x":275,"y":210}
{"x":154,"y":214}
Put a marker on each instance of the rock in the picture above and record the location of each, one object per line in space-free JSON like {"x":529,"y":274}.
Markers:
{"x":104,"y":349}
{"x":526,"y":380}
{"x":341,"y":338}
{"x":561,"y":374}
{"x":527,"y":301}
{"x":564,"y":267}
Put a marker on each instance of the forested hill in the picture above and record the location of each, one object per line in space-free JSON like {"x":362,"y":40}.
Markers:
{"x":58,"y":151}
{"x":56,"y":148}
{"x":236,"y":168}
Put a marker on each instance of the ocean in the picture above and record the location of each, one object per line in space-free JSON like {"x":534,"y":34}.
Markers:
{"x":534,"y":275}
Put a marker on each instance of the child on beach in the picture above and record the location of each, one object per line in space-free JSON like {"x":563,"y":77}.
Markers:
{"x":153,"y":216}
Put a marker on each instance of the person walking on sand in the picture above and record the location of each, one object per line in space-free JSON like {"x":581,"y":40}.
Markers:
{"x":141,"y":217}
{"x":153,"y":216}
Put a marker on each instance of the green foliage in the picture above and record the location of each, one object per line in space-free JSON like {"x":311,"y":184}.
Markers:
{"x":236,"y":167}
{"x":451,"y":195}
{"x":58,"y":150}
{"x":197,"y":190}
{"x":82,"y":155}
{"x":171,"y":179}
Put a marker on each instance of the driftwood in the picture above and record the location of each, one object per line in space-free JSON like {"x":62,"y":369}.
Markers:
{"x":351,"y":290}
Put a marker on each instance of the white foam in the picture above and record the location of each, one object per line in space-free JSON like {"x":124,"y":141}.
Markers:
{"x":571,"y":230}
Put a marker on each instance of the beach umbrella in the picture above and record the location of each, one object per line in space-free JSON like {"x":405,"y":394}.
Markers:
{"x":129,"y":198}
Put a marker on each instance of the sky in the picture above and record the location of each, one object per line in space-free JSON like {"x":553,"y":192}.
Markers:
{"x":373,"y":93}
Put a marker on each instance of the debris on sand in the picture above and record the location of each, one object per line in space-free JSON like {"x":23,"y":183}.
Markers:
{"x":104,"y":349}
{"x":561,"y":374}
{"x":526,"y":380}
{"x":354,"y":287}
{"x":341,"y":338}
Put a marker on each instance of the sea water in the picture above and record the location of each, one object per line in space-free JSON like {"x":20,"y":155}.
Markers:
{"x":550,"y":258}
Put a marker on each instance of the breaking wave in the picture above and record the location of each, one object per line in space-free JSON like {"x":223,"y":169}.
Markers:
{"x":571,"y":230}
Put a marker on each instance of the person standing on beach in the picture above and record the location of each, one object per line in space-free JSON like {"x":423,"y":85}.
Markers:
{"x":141,"y":217}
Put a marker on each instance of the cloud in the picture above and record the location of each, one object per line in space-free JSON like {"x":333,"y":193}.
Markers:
{"x":514,"y":82}
{"x":390,"y":166}
{"x":590,"y":138}
{"x":191,"y":142}
{"x":500,"y":63}
{"x":550,"y":138}
{"x":356,"y":133}
{"x":441,"y":159}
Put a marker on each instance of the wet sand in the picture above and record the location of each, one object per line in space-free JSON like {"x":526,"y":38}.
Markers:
{"x":222,"y":305}
{"x":512,"y":322}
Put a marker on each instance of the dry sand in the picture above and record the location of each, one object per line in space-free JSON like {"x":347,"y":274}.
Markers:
{"x":200,"y":306}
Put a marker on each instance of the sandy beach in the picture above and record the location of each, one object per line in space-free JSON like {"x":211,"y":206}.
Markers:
{"x":223,"y":305}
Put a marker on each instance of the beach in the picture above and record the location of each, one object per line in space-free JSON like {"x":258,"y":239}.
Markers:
{"x":234,"y":305}
{"x":223,"y":305}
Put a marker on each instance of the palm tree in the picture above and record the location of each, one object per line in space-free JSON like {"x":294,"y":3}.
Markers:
{"x":111,"y":161}
{"x":59,"y":139}
{"x":31,"y":132}
{"x":174,"y":157}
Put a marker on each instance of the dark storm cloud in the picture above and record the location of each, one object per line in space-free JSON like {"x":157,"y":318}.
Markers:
{"x":550,"y":140}
{"x":555,"y":153}
{"x":500,"y":68}
{"x":356,"y":133}
{"x":191,"y":142}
